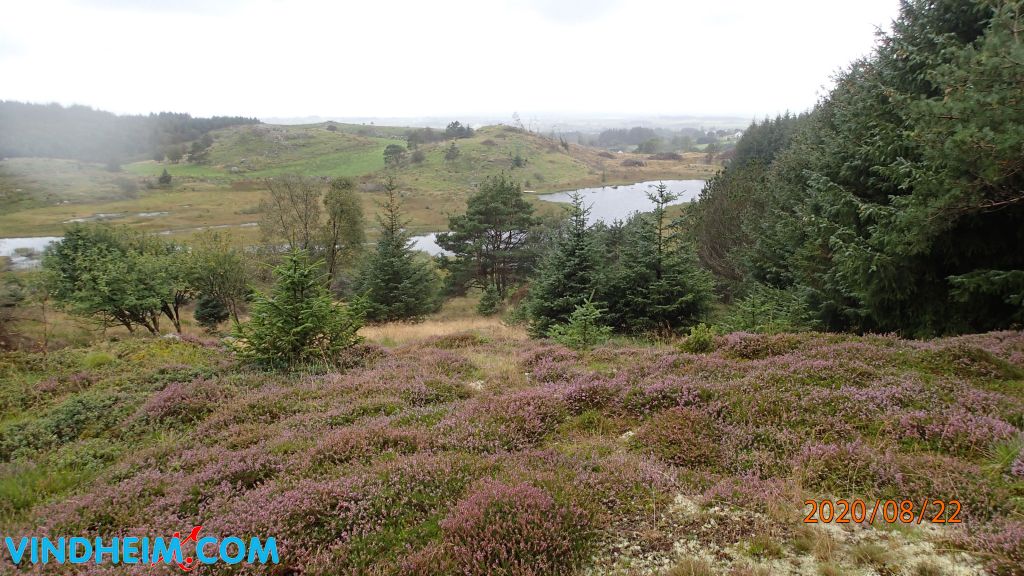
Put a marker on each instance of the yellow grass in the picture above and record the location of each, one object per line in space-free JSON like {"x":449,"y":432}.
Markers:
{"x":401,"y":333}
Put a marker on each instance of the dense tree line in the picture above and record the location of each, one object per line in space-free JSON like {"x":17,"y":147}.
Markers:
{"x":642,"y":273}
{"x":82,"y":133}
{"x":898,"y":202}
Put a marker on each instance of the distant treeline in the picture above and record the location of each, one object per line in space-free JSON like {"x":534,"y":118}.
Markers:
{"x":652,"y":140}
{"x":82,"y":133}
{"x":897,"y":204}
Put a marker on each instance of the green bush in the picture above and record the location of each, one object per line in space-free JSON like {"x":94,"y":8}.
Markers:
{"x":210,"y":312}
{"x":700,"y":341}
{"x":94,"y":360}
{"x":489,"y":301}
{"x":584,"y":329}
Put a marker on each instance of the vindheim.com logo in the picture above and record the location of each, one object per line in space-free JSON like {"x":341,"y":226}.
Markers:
{"x":132,"y":550}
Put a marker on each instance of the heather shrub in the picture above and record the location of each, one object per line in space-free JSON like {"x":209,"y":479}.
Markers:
{"x":953,"y":430}
{"x":183,"y":403}
{"x":681,"y":436}
{"x":852,"y":468}
{"x":756,"y":346}
{"x":368,"y":441}
{"x":512,"y":422}
{"x":362,"y":355}
{"x":439,"y":390}
{"x":982,"y":495}
{"x":966,"y":361}
{"x":1002,"y":543}
{"x":590,"y":394}
{"x":668,"y":392}
{"x":453,"y":341}
{"x":502,"y":529}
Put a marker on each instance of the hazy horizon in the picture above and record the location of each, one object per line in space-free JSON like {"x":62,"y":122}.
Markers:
{"x":275,"y":60}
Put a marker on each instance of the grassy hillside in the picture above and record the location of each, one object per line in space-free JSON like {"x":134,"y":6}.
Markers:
{"x":446,"y":454}
{"x":39,"y":195}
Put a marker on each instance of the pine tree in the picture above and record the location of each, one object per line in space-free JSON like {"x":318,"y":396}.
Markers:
{"x":566,"y":274}
{"x":491,"y":240}
{"x":396,"y":282}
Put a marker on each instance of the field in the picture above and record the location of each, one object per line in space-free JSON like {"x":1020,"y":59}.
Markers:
{"x":40,"y":195}
{"x":463,"y":447}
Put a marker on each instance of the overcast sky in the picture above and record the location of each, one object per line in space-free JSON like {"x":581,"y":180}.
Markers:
{"x":288,"y":58}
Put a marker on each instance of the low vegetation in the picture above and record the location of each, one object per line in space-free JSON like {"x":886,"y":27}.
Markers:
{"x":482,"y":452}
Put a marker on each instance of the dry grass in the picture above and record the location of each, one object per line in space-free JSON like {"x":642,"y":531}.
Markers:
{"x":397,"y":333}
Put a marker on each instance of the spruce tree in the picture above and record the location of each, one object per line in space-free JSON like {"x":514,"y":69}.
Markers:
{"x":566,"y":274}
{"x":297,"y":323}
{"x":397,"y":283}
{"x":657,"y":283}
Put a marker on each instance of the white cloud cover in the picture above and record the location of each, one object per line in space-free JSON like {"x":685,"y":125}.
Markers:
{"x":277,"y":58}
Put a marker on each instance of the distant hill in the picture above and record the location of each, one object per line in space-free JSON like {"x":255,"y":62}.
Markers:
{"x":357,"y":151}
{"x":82,"y":133}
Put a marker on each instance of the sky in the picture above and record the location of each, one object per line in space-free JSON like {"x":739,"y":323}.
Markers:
{"x":415,"y":58}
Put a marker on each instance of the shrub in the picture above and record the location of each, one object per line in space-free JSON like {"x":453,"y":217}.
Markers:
{"x":183,"y":402}
{"x":210,"y":312}
{"x":489,"y":301}
{"x":298,"y":323}
{"x":681,"y":436}
{"x":584,"y":329}
{"x":502,"y":529}
{"x":512,"y":422}
{"x":94,"y":360}
{"x":700,"y":341}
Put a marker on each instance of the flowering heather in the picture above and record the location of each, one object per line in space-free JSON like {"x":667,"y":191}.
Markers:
{"x":682,"y":436}
{"x":1017,"y":468}
{"x":754,"y":346}
{"x":513,"y":422}
{"x":955,"y":431}
{"x":502,"y":529}
{"x":404,"y":463}
{"x":184,"y":402}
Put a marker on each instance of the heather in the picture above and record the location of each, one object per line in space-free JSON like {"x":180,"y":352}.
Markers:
{"x":475,"y":453}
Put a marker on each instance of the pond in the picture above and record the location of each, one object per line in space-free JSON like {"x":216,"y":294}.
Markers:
{"x":25,"y":252}
{"x":428,"y":243}
{"x":606,"y":203}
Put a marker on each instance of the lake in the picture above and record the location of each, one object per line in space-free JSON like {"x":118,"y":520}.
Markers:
{"x":606,"y":203}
